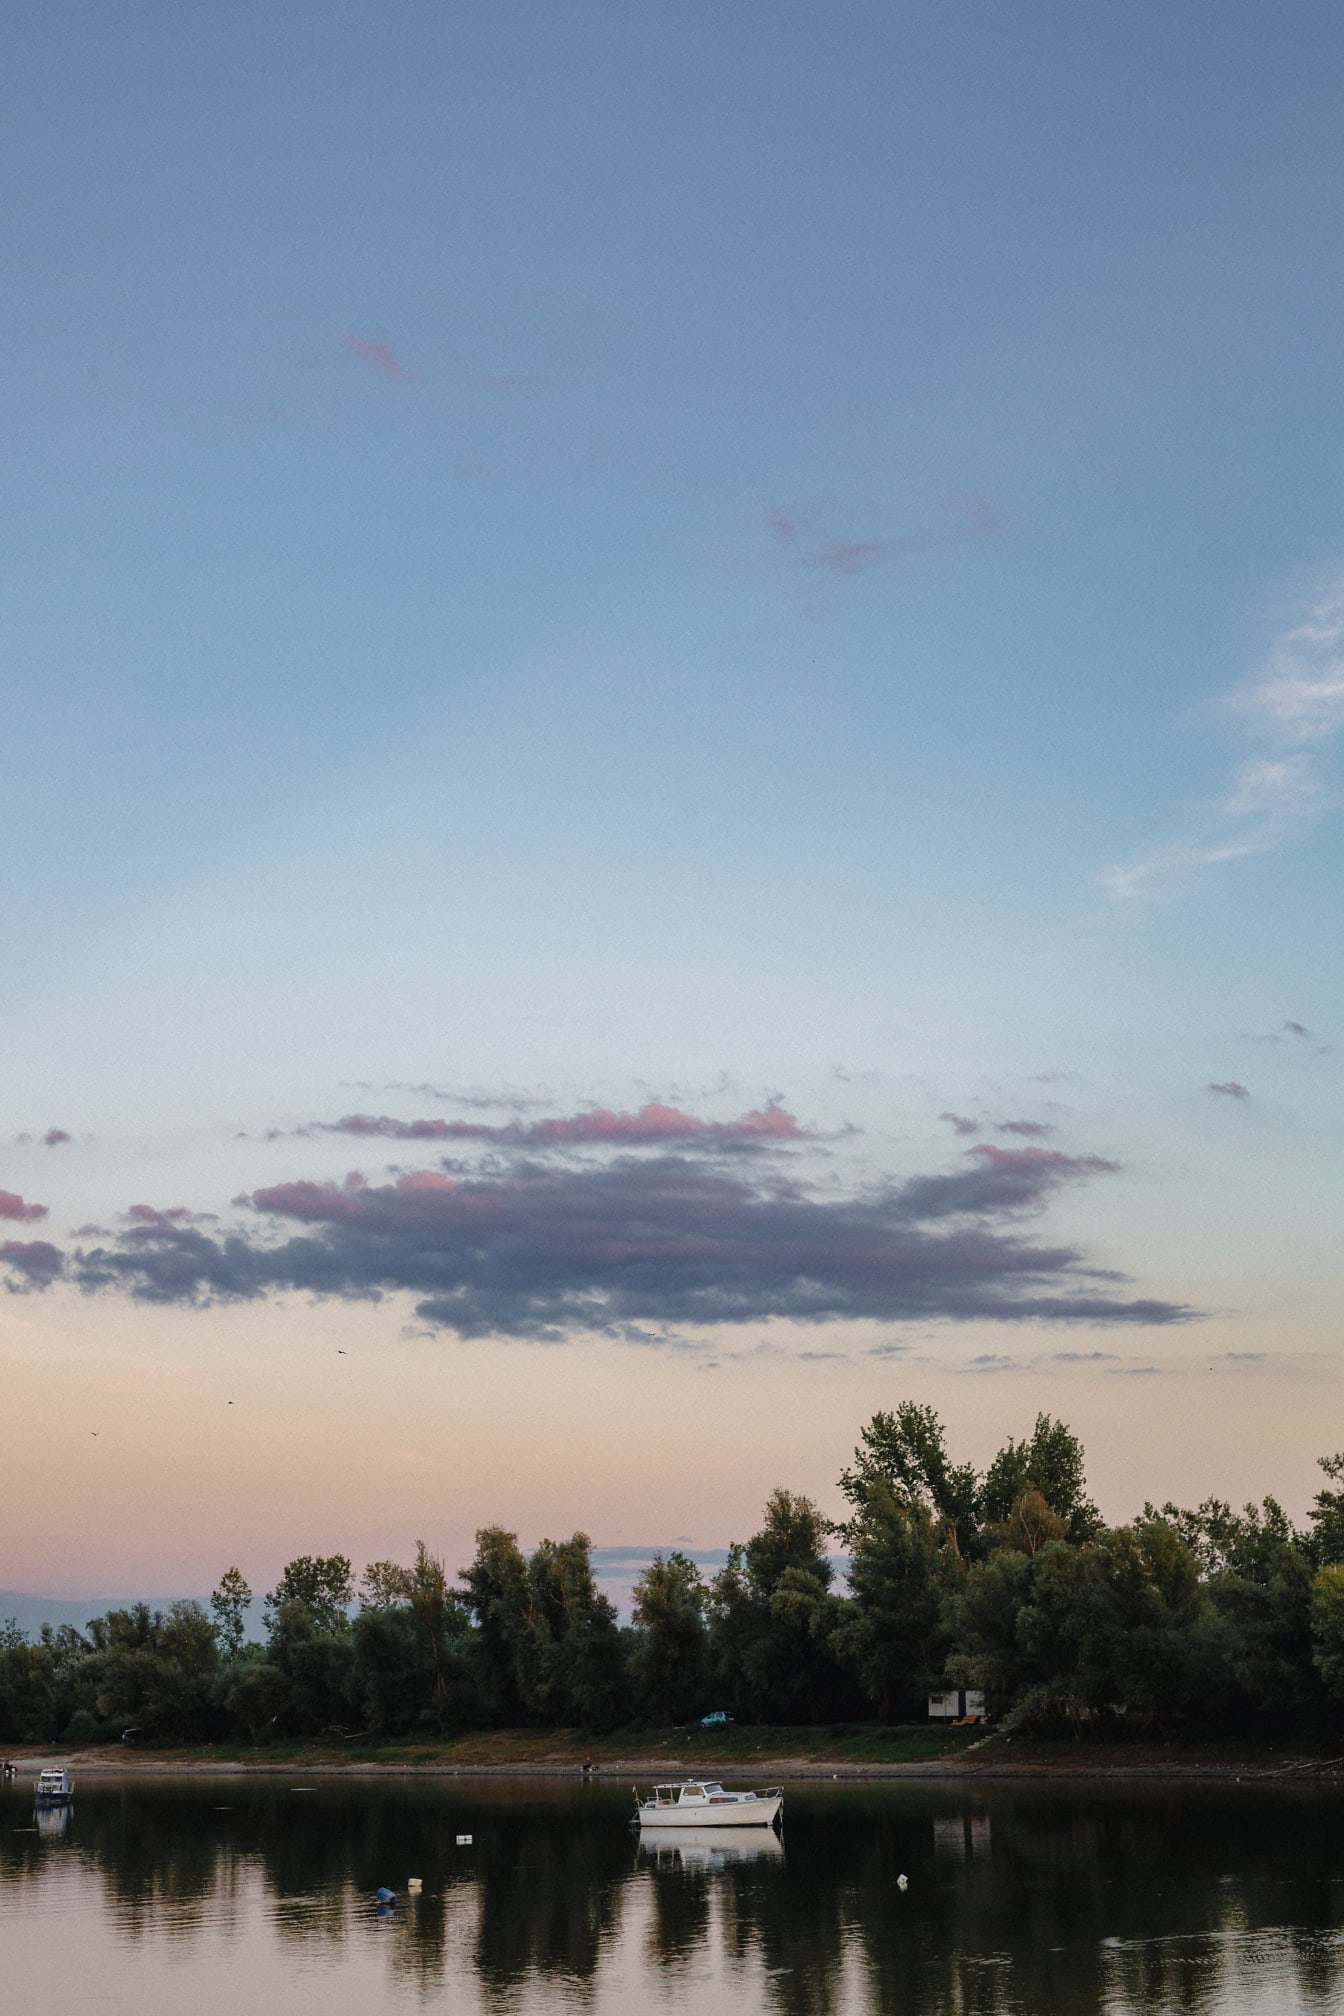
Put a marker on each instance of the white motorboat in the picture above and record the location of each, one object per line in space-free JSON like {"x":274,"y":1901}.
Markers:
{"x":702,"y":1802}
{"x":53,"y":1788}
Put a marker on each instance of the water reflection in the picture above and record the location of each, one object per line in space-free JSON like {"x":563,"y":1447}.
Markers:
{"x":1055,"y":1903}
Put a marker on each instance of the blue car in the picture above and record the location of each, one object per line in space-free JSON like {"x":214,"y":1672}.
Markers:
{"x":715,"y":1721}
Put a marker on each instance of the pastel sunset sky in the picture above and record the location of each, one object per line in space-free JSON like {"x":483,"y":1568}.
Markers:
{"x":673,"y":694}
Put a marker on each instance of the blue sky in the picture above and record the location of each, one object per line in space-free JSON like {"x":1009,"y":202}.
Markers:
{"x":614,"y":555}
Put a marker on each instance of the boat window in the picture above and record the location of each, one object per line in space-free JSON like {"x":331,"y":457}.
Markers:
{"x":692,"y":1791}
{"x":716,"y":1787}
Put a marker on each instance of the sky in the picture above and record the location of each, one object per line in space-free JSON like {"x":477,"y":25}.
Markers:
{"x":673,"y":682}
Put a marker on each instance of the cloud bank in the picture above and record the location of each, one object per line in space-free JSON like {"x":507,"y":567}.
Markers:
{"x":548,"y":1250}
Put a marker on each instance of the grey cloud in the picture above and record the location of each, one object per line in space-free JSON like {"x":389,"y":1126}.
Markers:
{"x":1230,"y":1089}
{"x":637,"y":1245}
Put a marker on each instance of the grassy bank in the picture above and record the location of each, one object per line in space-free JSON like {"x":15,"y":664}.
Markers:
{"x":747,"y":1753}
{"x":737,"y":1750}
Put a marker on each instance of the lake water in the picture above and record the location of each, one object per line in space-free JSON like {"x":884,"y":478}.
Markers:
{"x":213,"y":1896}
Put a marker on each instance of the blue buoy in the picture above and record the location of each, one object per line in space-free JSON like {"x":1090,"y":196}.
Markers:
{"x":386,"y":1896}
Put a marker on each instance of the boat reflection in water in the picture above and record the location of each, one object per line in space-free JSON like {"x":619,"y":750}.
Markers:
{"x":51,"y":1821}
{"x":705,"y":1849}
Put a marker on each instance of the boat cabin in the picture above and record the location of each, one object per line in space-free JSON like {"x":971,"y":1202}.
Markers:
{"x":53,"y":1786}
{"x":693,"y":1792}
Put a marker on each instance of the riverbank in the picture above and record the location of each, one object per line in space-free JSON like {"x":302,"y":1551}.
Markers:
{"x":910,"y":1753}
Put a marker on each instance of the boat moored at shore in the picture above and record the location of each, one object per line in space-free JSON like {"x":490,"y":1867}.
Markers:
{"x":54,"y":1787}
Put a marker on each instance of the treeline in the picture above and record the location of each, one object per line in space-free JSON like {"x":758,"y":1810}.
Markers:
{"x":1007,"y":1580}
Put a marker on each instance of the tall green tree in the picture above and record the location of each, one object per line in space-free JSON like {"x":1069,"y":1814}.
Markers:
{"x":906,"y":1451}
{"x":889,"y":1633}
{"x":228,"y":1606}
{"x":1048,"y":1462}
{"x":671,"y":1659}
{"x":319,"y":1585}
{"x":773,"y":1618}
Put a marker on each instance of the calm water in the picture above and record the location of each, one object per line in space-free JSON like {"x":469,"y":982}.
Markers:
{"x":216,"y":1896}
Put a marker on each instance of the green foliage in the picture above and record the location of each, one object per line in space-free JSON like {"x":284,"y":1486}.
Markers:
{"x":1327,"y":1626}
{"x":890,"y":1633}
{"x":1009,"y":1582}
{"x":1049,"y":1465}
{"x":670,"y":1662}
{"x":773,"y":1618}
{"x":548,"y":1649}
{"x":1327,"y":1514}
{"x":907,"y":1452}
{"x":319,"y":1586}
{"x":228,"y":1606}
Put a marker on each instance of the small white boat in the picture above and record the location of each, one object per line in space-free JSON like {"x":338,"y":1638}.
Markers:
{"x":702,"y":1802}
{"x":53,"y":1788}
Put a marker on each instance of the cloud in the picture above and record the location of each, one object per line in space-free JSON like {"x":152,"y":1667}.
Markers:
{"x":1082,"y":1357}
{"x":1297,"y":1029}
{"x":959,"y":1123}
{"x":970,"y":517}
{"x":653,"y":1125}
{"x":36,"y":1260}
{"x":377,"y":354}
{"x":54,"y":1136}
{"x":141,"y":1215}
{"x":1032,"y":1129}
{"x":1229,"y":1088}
{"x":545,"y":1251}
{"x":1291,"y":715}
{"x":13,"y":1206}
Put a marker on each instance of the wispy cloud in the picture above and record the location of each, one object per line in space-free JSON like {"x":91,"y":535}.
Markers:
{"x":1292,"y":715}
{"x":959,"y":1123}
{"x":1230,"y":1088}
{"x":1033,"y":1130}
{"x":377,"y":353}
{"x":14,"y":1207}
{"x":54,"y":1136}
{"x":548,"y":1250}
{"x":969,"y":517}
{"x":653,"y":1125}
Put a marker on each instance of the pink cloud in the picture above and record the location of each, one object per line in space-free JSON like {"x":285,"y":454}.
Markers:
{"x":377,"y":354}
{"x":38,"y":1259}
{"x":13,"y":1206}
{"x":1042,"y":1161}
{"x":960,"y":1123}
{"x":161,"y":1221}
{"x":1033,"y":1130}
{"x":653,"y":1123}
{"x":54,"y":1137}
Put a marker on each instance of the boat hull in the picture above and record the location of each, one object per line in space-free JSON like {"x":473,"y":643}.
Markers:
{"x":732,"y":1813}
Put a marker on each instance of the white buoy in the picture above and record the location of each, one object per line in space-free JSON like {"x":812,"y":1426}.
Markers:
{"x":414,"y":1883}
{"x":902,"y":1883}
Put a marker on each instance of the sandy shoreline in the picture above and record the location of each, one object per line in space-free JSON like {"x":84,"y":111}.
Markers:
{"x":952,"y":1770}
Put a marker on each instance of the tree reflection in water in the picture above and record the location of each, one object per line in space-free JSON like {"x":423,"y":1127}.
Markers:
{"x":1051,"y":1900}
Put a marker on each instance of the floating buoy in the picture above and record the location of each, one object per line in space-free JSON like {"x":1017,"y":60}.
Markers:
{"x":414,"y":1883}
{"x":902,"y":1883}
{"x":464,"y":1840}
{"x":386,"y":1896}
